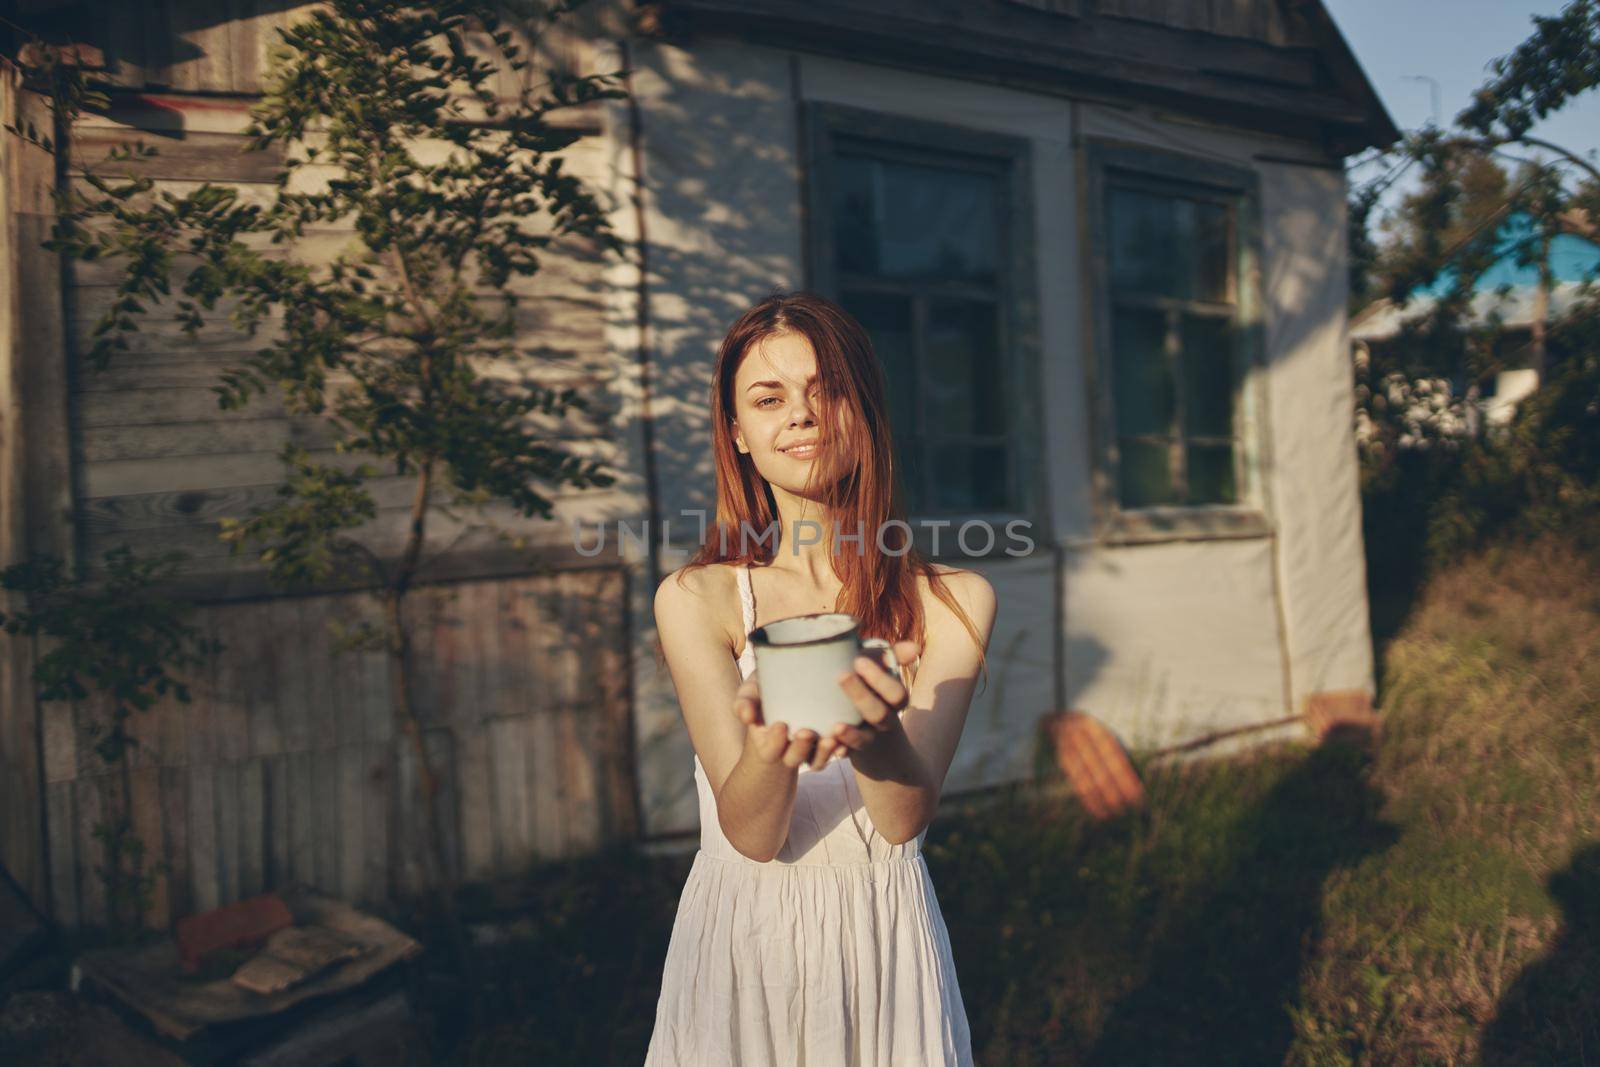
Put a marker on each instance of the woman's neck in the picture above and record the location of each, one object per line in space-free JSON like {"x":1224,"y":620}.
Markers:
{"x":805,"y":540}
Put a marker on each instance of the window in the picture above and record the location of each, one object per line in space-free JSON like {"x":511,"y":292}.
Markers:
{"x":1171,"y":266}
{"x":921,"y":232}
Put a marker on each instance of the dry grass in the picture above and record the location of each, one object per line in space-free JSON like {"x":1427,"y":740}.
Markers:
{"x":1435,"y":903}
{"x":1491,"y":765}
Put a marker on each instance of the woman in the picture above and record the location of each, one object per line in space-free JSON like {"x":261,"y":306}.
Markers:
{"x":808,"y":930}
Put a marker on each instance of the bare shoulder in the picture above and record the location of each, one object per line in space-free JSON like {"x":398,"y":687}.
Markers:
{"x":970,"y":589}
{"x":698,"y":597}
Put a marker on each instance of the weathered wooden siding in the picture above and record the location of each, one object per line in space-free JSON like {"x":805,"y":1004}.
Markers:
{"x":286,"y":766}
{"x":1257,"y":20}
{"x":35,"y":500}
{"x":194,"y":47}
{"x":19,"y":766}
{"x":159,"y":462}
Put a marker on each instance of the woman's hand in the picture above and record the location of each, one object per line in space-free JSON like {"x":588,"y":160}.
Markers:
{"x":878,"y":694}
{"x":771,"y":741}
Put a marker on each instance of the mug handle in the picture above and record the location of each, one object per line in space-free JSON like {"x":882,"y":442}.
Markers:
{"x":887,"y":661}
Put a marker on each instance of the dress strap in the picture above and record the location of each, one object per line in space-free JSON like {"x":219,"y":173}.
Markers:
{"x":747,"y":598}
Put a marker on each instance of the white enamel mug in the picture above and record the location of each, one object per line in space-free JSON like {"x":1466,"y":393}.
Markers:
{"x":798,"y":661}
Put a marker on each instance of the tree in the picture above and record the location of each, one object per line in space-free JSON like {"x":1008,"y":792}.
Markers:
{"x":116,"y":643}
{"x":453,"y":193}
{"x":1446,"y":234}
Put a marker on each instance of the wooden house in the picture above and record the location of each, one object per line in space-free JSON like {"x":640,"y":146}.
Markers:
{"x":1099,"y":244}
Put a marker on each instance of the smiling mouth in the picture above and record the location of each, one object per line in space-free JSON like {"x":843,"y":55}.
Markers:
{"x":801,"y":451}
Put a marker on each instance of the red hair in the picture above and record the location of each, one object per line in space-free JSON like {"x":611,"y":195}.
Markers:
{"x":859,"y":492}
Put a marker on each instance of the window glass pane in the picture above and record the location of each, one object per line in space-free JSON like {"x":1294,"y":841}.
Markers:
{"x":1211,"y":253}
{"x":1169,"y":246}
{"x":905,"y":220}
{"x":1142,"y":378}
{"x":887,"y":320}
{"x":962,"y":382}
{"x":1152,"y":240}
{"x":1208,"y":376}
{"x":1211,"y":474}
{"x":1145,"y":474}
{"x":908,"y":454}
{"x":968,"y":478}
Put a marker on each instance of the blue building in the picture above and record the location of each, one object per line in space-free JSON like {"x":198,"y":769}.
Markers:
{"x":1509,"y":289}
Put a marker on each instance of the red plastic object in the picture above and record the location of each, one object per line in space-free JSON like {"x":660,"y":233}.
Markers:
{"x":249,"y":922}
{"x":1089,"y":754}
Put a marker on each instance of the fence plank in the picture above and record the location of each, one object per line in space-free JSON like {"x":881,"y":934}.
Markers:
{"x":302,"y":819}
{"x":147,"y":818}
{"x":65,"y":862}
{"x":546,"y":787}
{"x":350,"y":815}
{"x":326,"y":824}
{"x":513,"y":809}
{"x":475,"y":773}
{"x":252,"y":829}
{"x":90,"y":806}
{"x":378,"y":810}
{"x":175,"y":841}
{"x":275,"y":812}
{"x":576,"y":728}
{"x":288,"y":772}
{"x":229,"y":828}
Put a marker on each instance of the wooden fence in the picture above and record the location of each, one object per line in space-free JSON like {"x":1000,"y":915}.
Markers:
{"x":286,"y":766}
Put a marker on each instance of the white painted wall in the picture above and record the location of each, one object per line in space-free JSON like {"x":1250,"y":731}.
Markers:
{"x":1162,"y":641}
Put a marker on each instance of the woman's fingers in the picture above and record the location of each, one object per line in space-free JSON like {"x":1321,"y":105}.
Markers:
{"x":874,"y":691}
{"x":771,"y":742}
{"x":851,"y":737}
{"x":826,"y":748}
{"x":747,"y":702}
{"x":891,"y":690}
{"x":800,"y":748}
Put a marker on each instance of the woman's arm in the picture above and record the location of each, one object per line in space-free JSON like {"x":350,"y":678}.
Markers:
{"x":901,"y":770}
{"x":752,"y":767}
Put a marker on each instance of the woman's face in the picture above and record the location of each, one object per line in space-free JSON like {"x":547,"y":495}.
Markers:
{"x":776,"y":411}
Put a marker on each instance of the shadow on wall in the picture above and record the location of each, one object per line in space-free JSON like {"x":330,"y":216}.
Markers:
{"x":723,"y":230}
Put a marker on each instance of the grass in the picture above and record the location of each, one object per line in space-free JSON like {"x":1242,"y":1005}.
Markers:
{"x":1434,"y":901}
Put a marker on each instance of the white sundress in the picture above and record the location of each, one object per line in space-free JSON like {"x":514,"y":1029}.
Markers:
{"x":834,"y":954}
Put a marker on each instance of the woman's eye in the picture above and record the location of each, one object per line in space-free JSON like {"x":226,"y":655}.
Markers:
{"x":763,"y":401}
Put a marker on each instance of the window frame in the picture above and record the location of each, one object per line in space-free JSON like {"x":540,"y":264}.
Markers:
{"x":1122,"y":164}
{"x":896,"y":137}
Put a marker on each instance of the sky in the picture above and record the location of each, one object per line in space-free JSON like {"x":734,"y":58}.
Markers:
{"x":1453,"y":42}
